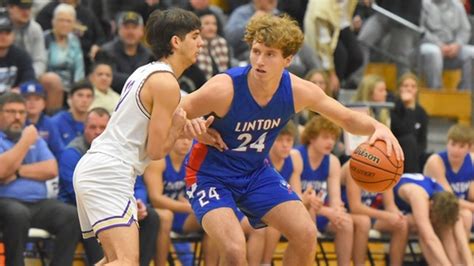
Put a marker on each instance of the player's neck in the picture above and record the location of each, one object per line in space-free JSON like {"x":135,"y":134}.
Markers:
{"x":277,"y":161}
{"x":176,"y":65}
{"x":315,"y":157}
{"x":176,"y":160}
{"x":262,"y":90}
{"x":455,"y":164}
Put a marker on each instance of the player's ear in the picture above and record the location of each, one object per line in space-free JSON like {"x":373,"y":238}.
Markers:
{"x":288,"y":60}
{"x":175,"y":41}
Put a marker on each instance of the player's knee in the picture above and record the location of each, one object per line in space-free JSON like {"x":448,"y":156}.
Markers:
{"x":306,"y":238}
{"x":362,"y":223}
{"x":166,"y":219}
{"x":235,"y":252}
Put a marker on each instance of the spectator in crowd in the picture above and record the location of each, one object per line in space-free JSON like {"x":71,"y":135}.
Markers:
{"x":386,"y":217}
{"x":445,"y":42}
{"x":126,"y":49}
{"x":296,"y":9}
{"x":434,"y":214}
{"x":28,"y":33}
{"x":303,"y":61}
{"x":454,"y":170}
{"x":200,"y":5}
{"x":322,"y":173}
{"x":409,"y":123}
{"x":35,"y":98}
{"x":214,"y":56}
{"x":64,"y":49}
{"x":373,"y":89}
{"x":235,"y":27}
{"x":402,"y":39}
{"x":70,"y":123}
{"x":16,"y":66}
{"x":26,"y":165}
{"x":101,"y":79}
{"x":86,"y":26}
{"x":328,"y":33}
{"x":320,"y":78}
{"x":94,"y":125}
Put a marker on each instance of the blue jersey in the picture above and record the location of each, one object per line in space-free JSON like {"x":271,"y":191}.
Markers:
{"x":461,"y":180}
{"x":427,"y":183}
{"x":286,"y":169}
{"x":140,"y":191}
{"x":316,"y":177}
{"x":173,"y":181}
{"x":248,"y":129}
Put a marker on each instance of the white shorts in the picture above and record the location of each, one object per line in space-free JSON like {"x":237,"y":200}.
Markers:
{"x":104,"y":188}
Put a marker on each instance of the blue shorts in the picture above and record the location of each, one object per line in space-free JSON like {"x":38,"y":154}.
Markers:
{"x":254,"y":194}
{"x":180,"y":218}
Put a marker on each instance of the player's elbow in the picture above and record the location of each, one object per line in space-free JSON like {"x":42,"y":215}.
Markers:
{"x":156,"y":153}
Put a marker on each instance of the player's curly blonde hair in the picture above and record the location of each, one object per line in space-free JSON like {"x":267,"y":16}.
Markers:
{"x":280,"y":32}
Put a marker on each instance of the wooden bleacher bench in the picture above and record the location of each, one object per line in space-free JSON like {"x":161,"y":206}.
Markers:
{"x":446,"y":103}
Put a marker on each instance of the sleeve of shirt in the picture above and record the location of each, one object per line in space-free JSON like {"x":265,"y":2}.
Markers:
{"x":67,"y":163}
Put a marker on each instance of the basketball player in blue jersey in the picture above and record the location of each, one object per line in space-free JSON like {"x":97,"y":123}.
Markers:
{"x":428,"y":207}
{"x":322,"y":172}
{"x":388,"y":219}
{"x":454,"y":170}
{"x":252,"y":104}
{"x":144,"y":126}
{"x":165,"y":182}
{"x":287,"y":161}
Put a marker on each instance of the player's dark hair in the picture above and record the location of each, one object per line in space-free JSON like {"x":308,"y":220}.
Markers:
{"x":163,"y":25}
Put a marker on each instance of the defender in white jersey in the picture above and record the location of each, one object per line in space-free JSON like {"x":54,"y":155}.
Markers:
{"x":144,"y":126}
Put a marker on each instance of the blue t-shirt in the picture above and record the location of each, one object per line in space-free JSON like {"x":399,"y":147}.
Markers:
{"x":318,"y":177}
{"x":248,"y":129}
{"x":286,"y":169}
{"x":427,"y":183}
{"x":26,"y":189}
{"x":68,"y":127}
{"x":50,"y":133}
{"x":461,"y":180}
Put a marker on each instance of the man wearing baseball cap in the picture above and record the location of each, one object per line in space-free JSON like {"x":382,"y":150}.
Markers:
{"x":35,"y":97}
{"x":126,"y":50}
{"x":28,"y":33}
{"x":15,"y":63}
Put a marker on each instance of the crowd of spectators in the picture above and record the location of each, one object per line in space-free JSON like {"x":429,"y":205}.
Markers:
{"x":63,"y":64}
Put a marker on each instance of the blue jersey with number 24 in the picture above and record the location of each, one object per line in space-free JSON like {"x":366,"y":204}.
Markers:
{"x":248,"y":129}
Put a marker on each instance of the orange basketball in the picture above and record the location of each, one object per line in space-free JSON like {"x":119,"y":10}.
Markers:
{"x":372,"y":169}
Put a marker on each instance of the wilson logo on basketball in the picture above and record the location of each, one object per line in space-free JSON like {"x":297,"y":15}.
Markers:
{"x":367,"y":155}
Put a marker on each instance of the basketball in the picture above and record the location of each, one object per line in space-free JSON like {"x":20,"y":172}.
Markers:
{"x":372,"y":169}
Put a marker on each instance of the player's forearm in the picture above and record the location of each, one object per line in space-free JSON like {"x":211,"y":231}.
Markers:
{"x":163,"y":202}
{"x":358,"y":124}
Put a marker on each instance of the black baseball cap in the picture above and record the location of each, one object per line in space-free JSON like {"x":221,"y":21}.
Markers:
{"x":21,"y":3}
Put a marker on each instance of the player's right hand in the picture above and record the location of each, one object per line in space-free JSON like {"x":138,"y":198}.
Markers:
{"x":179,"y":119}
{"x":197,"y":126}
{"x":214,"y":139}
{"x":30,"y":134}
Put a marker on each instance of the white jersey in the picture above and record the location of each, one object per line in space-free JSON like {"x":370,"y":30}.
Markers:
{"x":127,"y":131}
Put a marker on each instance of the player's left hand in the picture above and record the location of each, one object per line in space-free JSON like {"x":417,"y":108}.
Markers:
{"x":214,"y":139}
{"x":197,"y":126}
{"x":383,"y":132}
